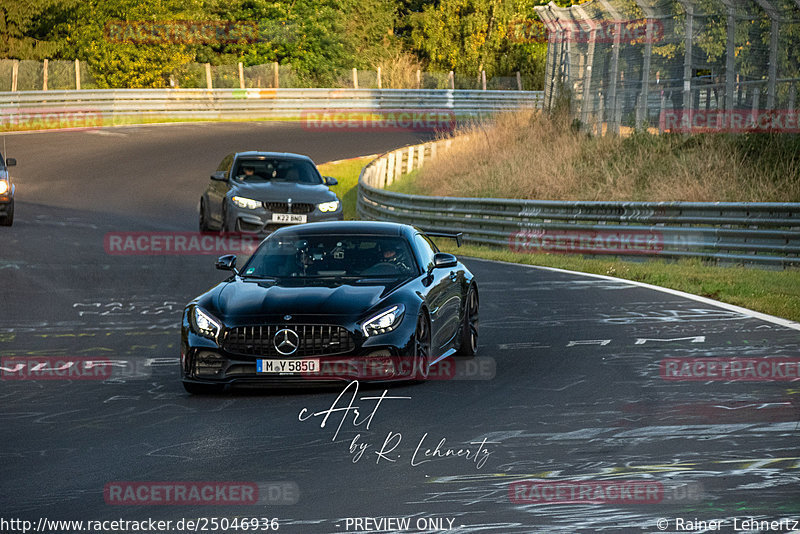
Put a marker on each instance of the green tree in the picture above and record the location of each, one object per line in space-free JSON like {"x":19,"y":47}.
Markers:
{"x":116,"y":62}
{"x":26,"y":27}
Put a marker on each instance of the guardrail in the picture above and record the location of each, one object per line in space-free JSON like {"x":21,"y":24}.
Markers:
{"x":726,"y":232}
{"x":257,"y":103}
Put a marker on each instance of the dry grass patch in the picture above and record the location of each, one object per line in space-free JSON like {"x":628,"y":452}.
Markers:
{"x":529,"y":155}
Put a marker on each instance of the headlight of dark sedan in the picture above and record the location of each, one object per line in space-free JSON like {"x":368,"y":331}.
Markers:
{"x":326,"y":207}
{"x":205,"y":324}
{"x":247,"y":203}
{"x":383,"y":322}
{"x":3,"y":187}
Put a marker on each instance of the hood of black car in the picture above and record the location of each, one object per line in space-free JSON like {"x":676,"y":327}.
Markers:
{"x":249,"y":301}
{"x":280,"y":191}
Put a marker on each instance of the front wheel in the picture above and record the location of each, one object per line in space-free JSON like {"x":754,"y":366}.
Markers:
{"x":468,"y":345}
{"x":8,"y":220}
{"x":422,"y":347}
{"x":203,"y":224}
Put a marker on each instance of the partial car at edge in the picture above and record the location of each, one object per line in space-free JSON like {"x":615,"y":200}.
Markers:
{"x":7,"y":189}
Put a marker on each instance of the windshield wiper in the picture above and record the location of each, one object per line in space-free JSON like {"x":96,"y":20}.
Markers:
{"x":258,"y":277}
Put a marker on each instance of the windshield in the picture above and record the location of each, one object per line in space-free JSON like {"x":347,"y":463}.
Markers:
{"x":276,"y":170}
{"x":360,"y":256}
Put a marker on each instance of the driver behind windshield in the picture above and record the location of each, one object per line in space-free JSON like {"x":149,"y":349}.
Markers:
{"x":393,"y":253}
{"x":331,"y":256}
{"x":301,"y":172}
{"x":247,"y":172}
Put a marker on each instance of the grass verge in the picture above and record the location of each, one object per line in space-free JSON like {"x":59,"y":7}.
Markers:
{"x":531,"y":155}
{"x":772,"y":292}
{"x":347,"y":172}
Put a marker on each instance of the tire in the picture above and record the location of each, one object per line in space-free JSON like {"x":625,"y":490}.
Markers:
{"x":223,"y":225}
{"x":203,"y":223}
{"x":468,"y":343}
{"x":8,"y":220}
{"x":422,"y":347}
{"x":202,"y":389}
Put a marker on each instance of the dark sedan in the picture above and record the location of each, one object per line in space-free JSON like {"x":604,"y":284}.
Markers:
{"x":258,"y":192}
{"x":6,"y":192}
{"x":327,"y":302}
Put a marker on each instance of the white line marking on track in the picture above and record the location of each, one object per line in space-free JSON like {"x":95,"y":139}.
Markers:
{"x":730,"y":307}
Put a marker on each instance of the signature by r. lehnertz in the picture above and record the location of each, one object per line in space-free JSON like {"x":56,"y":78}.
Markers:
{"x":358,"y":415}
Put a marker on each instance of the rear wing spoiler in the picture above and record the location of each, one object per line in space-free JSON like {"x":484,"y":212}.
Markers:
{"x":456,"y":236}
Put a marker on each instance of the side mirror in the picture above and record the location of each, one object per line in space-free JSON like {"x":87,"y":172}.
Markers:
{"x":220,"y":176}
{"x":11,"y":162}
{"x":227,"y":263}
{"x":330,"y":180}
{"x":442,"y":260}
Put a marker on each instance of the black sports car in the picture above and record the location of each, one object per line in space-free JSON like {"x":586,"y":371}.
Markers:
{"x":258,"y":192}
{"x":325,"y":302}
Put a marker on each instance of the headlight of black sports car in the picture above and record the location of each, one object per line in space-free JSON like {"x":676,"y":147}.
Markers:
{"x":383,"y":322}
{"x":205,"y":324}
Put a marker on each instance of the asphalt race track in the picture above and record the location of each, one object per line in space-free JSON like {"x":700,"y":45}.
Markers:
{"x":567,"y":385}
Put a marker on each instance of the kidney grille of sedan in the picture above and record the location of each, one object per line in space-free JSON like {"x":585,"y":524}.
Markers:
{"x":331,"y":302}
{"x":259,"y":192}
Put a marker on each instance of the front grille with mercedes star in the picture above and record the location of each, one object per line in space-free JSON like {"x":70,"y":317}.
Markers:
{"x":288,"y":341}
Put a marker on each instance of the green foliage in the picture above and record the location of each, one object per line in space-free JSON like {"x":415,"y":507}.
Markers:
{"x":124,"y":64}
{"x":468,"y":36}
{"x":26,"y":28}
{"x":321,"y":40}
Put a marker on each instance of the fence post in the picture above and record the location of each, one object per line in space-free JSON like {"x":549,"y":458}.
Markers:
{"x":380,"y":85}
{"x":398,"y":165}
{"x":483,"y":80}
{"x":276,"y":75}
{"x":419,"y":79}
{"x":451,"y":76}
{"x":519,"y":81}
{"x":586,"y":96}
{"x":730,"y":60}
{"x":208,"y":76}
{"x":687,"y":59}
{"x":792,"y":96}
{"x":355,"y":78}
{"x":613,"y":123}
{"x":241,"y":75}
{"x":14,"y":74}
{"x":44,"y":75}
{"x":390,"y":169}
{"x":644,"y":93}
{"x":77,"y":75}
{"x":773,"y":61}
